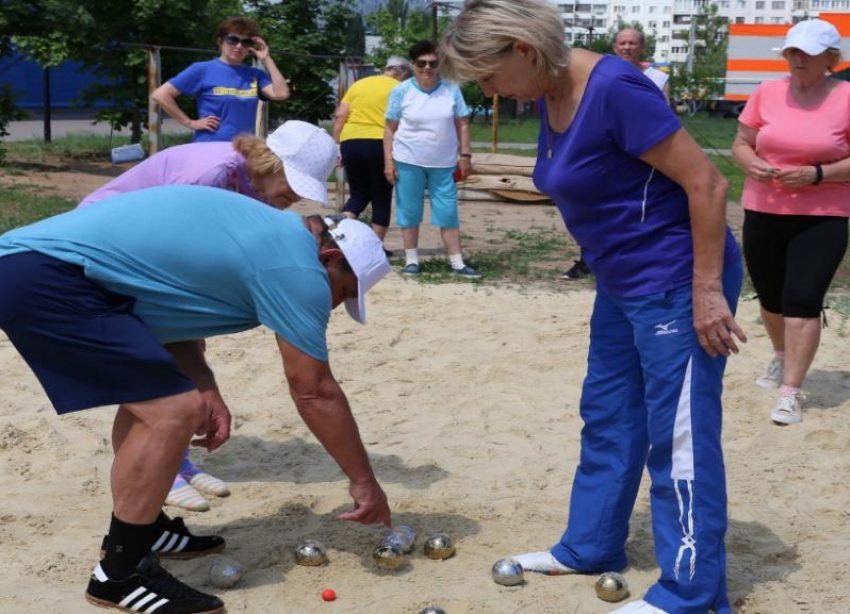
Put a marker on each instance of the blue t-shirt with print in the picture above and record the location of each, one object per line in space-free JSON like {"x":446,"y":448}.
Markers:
{"x":631,"y":221}
{"x":231,"y":93}
{"x":199,"y":261}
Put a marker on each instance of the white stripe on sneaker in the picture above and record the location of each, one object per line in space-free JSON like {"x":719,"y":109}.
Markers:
{"x":132,"y":597}
{"x":160,"y":541}
{"x":144,"y":600}
{"x":156,"y":606}
{"x":171,"y":542}
{"x":100,"y":574}
{"x":182,"y":544}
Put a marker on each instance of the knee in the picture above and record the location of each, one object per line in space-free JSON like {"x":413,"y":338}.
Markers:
{"x":185,"y":415}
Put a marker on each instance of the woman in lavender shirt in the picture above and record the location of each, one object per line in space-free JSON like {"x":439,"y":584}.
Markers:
{"x":293,"y":163}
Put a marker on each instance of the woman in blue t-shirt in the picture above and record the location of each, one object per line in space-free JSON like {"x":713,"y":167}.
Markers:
{"x":648,"y":210}
{"x":227,"y":92}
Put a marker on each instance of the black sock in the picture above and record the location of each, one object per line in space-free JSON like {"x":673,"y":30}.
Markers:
{"x":126,"y":545}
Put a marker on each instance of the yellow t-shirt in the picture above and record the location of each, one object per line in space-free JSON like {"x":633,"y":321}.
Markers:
{"x":367,"y":100}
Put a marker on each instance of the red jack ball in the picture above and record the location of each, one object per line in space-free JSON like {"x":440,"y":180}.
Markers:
{"x":329,"y":594}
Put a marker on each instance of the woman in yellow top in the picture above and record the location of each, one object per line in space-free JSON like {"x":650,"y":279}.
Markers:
{"x":359,"y":129}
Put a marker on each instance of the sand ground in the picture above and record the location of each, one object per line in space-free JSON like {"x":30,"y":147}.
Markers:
{"x":467,"y":398}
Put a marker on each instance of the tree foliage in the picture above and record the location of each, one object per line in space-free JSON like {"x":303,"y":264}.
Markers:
{"x":704,"y":80}
{"x":316,"y":27}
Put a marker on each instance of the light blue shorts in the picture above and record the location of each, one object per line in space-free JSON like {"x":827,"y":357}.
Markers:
{"x":410,"y":195}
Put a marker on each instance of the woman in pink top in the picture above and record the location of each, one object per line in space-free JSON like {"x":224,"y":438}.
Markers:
{"x":794,"y":142}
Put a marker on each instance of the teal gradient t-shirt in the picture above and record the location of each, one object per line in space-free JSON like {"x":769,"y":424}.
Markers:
{"x":199,"y":261}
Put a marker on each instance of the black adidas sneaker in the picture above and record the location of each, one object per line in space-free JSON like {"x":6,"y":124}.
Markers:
{"x":151,"y":590}
{"x":174,"y":541}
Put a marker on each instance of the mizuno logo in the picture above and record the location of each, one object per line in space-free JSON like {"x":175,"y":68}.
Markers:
{"x":664,"y":329}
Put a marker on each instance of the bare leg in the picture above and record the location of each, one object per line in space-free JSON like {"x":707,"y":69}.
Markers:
{"x":451,"y":239}
{"x":774,"y":324}
{"x":802,"y":336}
{"x":410,"y":236}
{"x":381,"y":231}
{"x":149,"y":439}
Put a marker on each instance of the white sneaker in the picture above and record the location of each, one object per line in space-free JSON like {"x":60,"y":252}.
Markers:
{"x":789,"y":409}
{"x":772,"y":378}
{"x":638,"y":607}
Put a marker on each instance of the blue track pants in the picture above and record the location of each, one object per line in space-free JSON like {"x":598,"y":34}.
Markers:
{"x":652,"y":397}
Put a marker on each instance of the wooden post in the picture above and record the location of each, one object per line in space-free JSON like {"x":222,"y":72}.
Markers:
{"x":495,"y":123}
{"x":48,"y":137}
{"x":261,"y":120}
{"x":154,"y":116}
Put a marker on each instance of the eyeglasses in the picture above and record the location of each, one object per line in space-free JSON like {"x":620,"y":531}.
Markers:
{"x":232,"y":39}
{"x":428,"y":63}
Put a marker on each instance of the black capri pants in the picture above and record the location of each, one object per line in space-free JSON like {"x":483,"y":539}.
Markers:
{"x":792,"y":259}
{"x":364,"y":169}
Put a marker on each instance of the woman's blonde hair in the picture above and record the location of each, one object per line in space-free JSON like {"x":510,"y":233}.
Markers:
{"x":485,"y":30}
{"x":260,"y":161}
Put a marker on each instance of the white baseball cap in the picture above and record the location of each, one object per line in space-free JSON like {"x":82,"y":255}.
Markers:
{"x":309,"y":154}
{"x":813,"y":36}
{"x":364,"y":251}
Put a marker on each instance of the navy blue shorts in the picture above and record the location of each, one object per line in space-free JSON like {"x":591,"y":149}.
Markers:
{"x":84,"y":343}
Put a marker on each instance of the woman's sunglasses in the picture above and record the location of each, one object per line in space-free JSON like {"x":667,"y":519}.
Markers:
{"x":428,"y":63}
{"x":233,"y":40}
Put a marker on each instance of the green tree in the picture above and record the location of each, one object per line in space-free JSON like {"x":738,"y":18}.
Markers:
{"x":708,"y":40}
{"x":305,"y":27}
{"x":355,"y":39}
{"x":397,"y":35}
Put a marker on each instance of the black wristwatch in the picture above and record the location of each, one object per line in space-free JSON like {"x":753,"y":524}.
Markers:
{"x":818,"y":174}
{"x":465,"y":155}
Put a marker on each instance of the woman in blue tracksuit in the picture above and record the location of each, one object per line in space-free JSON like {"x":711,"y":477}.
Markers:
{"x":648,"y":210}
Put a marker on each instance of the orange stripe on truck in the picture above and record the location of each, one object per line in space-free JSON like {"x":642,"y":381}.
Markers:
{"x":749,"y":29}
{"x":757,"y":66}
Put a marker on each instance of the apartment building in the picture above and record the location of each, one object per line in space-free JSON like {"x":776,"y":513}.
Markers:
{"x":670,"y":20}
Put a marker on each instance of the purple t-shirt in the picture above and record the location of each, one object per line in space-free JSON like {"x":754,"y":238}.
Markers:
{"x":631,"y":220}
{"x":216,"y":165}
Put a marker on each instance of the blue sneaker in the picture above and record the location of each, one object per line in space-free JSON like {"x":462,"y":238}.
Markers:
{"x":467,"y":272}
{"x":411,"y":269}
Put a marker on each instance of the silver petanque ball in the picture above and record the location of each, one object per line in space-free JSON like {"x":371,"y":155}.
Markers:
{"x":401,"y":536}
{"x":433,"y":611}
{"x":388,"y":556}
{"x":311,"y":553}
{"x":612,"y":587}
{"x":225,"y":572}
{"x":439,"y":546}
{"x":507,"y":572}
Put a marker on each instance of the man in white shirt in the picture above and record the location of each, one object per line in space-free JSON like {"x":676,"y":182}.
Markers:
{"x":630,"y":44}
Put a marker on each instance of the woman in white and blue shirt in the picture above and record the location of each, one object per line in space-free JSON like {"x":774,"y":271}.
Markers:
{"x":427,"y":119}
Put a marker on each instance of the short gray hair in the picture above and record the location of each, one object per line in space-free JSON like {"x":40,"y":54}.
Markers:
{"x":485,"y":30}
{"x":641,"y":35}
{"x":396,"y":62}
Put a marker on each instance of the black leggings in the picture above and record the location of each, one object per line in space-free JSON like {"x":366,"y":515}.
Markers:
{"x":792,"y":259}
{"x":364,"y":169}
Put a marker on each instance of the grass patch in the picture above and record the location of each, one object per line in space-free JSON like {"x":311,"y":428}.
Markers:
{"x":527,"y":256}
{"x":709,"y":132}
{"x":24,"y":204}
{"x":92,"y":147}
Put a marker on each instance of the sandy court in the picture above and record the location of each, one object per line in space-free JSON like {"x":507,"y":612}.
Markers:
{"x":467,"y":398}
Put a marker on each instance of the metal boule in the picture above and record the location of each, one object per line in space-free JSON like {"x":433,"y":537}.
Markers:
{"x":388,"y":556}
{"x":225,"y":572}
{"x":507,"y":572}
{"x":311,"y":553}
{"x":439,"y":546}
{"x":612,"y":587}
